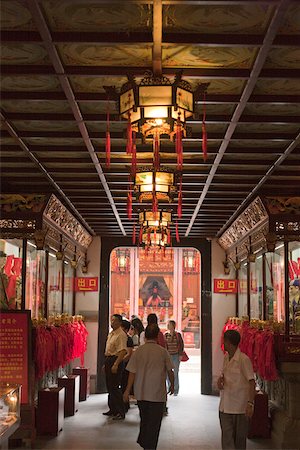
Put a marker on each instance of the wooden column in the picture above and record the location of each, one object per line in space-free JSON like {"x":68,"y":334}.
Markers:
{"x":24,"y":260}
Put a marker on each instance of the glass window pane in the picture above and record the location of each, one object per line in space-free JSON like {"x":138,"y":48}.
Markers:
{"x":35,"y":280}
{"x":54,"y":285}
{"x":275,"y":284}
{"x":242,"y":290}
{"x":256,"y":288}
{"x":294,"y":286}
{"x":68,"y":288}
{"x":10,"y":273}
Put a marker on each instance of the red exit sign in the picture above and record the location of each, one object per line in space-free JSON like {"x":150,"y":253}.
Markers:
{"x":86,"y":284}
{"x":225,"y":286}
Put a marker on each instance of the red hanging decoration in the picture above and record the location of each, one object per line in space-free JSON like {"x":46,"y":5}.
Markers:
{"x":156,"y":151}
{"x":129,"y":136}
{"x":179,"y":206}
{"x":133,"y":164}
{"x":169,"y":237}
{"x":107,"y":141}
{"x":134,"y":234}
{"x":177,"y":232}
{"x":129,"y":204}
{"x":179,"y":147}
{"x":204,"y":133}
{"x":154,"y":203}
{"x":141,"y":235}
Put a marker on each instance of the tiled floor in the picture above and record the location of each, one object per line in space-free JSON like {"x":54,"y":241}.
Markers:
{"x":192,"y":423}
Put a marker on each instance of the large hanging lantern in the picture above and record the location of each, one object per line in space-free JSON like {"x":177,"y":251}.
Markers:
{"x":149,"y":183}
{"x":155,"y":105}
{"x":158,"y":219}
{"x":155,"y":228}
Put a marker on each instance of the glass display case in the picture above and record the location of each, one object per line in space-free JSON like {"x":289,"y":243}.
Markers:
{"x":35,"y":280}
{"x":68,"y":288}
{"x":9,"y":410}
{"x":242,"y":290}
{"x":256,"y":288}
{"x":294,"y":286}
{"x":10,"y":273}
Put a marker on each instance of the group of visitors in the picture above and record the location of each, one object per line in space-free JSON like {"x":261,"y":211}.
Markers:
{"x":144,"y":362}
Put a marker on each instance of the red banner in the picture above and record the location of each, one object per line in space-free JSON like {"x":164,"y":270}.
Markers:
{"x":225,"y":286}
{"x":86,"y":284}
{"x":14,"y":338}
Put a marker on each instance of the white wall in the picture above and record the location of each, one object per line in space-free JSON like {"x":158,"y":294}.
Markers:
{"x":87,"y":304}
{"x":223,"y":306}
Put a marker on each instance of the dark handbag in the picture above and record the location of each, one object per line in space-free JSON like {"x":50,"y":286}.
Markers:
{"x":184,"y":357}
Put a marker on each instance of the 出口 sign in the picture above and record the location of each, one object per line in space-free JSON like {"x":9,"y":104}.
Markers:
{"x":225,"y":286}
{"x":86,"y":284}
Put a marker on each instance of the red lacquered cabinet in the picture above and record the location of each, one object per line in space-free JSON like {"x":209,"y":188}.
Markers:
{"x":71,"y":384}
{"x":84,"y":385}
{"x":50,"y":411}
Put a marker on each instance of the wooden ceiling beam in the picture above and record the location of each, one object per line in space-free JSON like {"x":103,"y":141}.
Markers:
{"x":105,"y":71}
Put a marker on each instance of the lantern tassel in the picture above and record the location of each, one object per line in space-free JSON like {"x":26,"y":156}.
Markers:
{"x":154,"y":203}
{"x":129,"y":205}
{"x":179,"y":147}
{"x":134,"y":159}
{"x":204,"y":133}
{"x":134,"y":234}
{"x":179,"y":206}
{"x":129,"y":136}
{"x":156,"y":151}
{"x":141,"y":235}
{"x":177,"y":232}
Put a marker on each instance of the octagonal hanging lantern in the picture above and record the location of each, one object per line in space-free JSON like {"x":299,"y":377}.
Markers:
{"x":149,"y":182}
{"x":156,"y":104}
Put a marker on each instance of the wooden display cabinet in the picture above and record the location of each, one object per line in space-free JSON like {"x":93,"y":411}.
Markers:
{"x":84,"y":385}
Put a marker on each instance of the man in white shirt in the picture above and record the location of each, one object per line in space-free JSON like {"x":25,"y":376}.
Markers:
{"x":237,"y":391}
{"x":116,"y":349}
{"x":148,"y":369}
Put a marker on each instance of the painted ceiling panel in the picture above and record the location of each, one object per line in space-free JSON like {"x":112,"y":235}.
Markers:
{"x":207,"y":57}
{"x":272,"y":109}
{"x":53,"y":141}
{"x":283,"y":86}
{"x":36,"y":106}
{"x":206,"y":19}
{"x":89,"y":15}
{"x":95,"y":84}
{"x":98,"y":107}
{"x":220,"y":86}
{"x":23,"y":53}
{"x":45,"y":125}
{"x":15,"y":16}
{"x":262,"y":127}
{"x":105,"y":55}
{"x":291,"y":24}
{"x":283,"y":58}
{"x":30,"y":83}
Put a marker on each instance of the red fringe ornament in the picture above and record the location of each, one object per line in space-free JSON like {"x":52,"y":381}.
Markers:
{"x":129,"y":136}
{"x":141,"y":235}
{"x":179,"y":147}
{"x":204,"y":133}
{"x":154,"y":203}
{"x":177,"y":232}
{"x":179,"y":206}
{"x":134,"y":234}
{"x":129,"y":205}
{"x":133,"y":163}
{"x":156,"y":144}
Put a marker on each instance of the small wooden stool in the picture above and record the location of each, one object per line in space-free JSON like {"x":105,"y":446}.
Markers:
{"x":50,"y":411}
{"x":71,"y":384}
{"x":84,"y":385}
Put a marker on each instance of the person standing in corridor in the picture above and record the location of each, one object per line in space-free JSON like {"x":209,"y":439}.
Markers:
{"x":148,"y":369}
{"x":237,"y":391}
{"x":175,"y":347}
{"x":116,"y":349}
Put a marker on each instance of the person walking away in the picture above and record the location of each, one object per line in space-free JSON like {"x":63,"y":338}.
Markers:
{"x":148,"y":369}
{"x":124,"y":379}
{"x":175,"y":347}
{"x":237,"y":391}
{"x":152,"y":319}
{"x":116,"y":349}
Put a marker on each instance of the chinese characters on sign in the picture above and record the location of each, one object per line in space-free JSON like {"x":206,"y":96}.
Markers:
{"x":86,"y":284}
{"x":224,"y":286}
{"x":14,"y":338}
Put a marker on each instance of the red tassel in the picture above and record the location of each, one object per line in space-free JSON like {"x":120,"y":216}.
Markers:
{"x":129,"y":136}
{"x":169,"y":237}
{"x":179,"y":206}
{"x":133,"y":164}
{"x":107,"y":142}
{"x":164,"y":250}
{"x":204,"y":133}
{"x":141,"y":235}
{"x":154,"y":254}
{"x":177,"y":233}
{"x":148,"y":238}
{"x":129,"y":205}
{"x":179,"y":147}
{"x":156,"y":151}
{"x":134,"y":234}
{"x":154,"y":203}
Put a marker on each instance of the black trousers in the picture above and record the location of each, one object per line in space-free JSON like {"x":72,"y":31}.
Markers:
{"x":113,"y":384}
{"x":151,"y":414}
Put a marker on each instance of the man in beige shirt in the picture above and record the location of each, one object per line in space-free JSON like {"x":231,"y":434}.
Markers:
{"x":148,"y":369}
{"x":116,"y":349}
{"x":237,"y":391}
